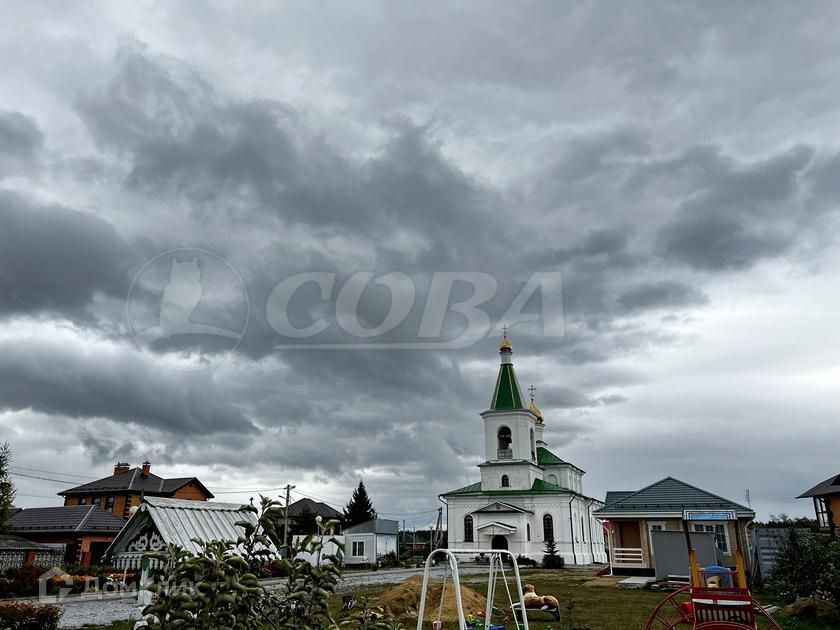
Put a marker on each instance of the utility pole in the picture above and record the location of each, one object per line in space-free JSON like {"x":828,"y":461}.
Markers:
{"x":289,"y":488}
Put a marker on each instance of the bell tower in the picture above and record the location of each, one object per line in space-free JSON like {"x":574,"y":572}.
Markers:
{"x":510,"y":442}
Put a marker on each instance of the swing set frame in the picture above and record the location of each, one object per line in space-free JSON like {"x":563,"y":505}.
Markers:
{"x":496,"y":567}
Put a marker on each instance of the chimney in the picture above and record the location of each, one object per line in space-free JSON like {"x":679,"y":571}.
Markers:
{"x":120,"y":468}
{"x":147,"y":466}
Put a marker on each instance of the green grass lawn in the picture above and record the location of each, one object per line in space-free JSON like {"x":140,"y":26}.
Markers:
{"x":598,"y":604}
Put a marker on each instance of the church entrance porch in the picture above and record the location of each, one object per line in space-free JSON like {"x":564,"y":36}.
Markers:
{"x":499,"y":542}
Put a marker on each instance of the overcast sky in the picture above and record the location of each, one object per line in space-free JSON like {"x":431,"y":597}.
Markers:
{"x":677,"y":163}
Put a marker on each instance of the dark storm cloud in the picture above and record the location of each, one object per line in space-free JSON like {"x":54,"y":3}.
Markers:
{"x":645,"y":154}
{"x":71,"y":380}
{"x":56,"y":259}
{"x":20,"y":142}
{"x":740,"y":215}
{"x":665,"y":294}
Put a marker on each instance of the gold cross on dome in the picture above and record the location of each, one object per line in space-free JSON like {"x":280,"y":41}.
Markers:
{"x":531,"y":391}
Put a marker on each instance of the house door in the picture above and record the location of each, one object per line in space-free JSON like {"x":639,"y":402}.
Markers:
{"x":628,"y":534}
{"x":499,"y":542}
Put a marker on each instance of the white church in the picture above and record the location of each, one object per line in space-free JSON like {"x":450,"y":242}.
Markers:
{"x":527,"y":495}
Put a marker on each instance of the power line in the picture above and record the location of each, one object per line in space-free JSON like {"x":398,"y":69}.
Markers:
{"x":54,"y":472}
{"x":61,"y":481}
{"x":245,"y":490}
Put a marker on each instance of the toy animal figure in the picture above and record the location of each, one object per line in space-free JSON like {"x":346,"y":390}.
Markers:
{"x":534,"y":601}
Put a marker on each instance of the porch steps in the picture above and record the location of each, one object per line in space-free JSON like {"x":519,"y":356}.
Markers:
{"x":636,"y":581}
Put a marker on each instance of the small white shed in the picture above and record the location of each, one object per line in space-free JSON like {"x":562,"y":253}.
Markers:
{"x":367,"y":542}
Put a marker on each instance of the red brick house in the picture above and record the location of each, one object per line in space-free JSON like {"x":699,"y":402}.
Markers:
{"x":84,"y":531}
{"x":123,"y":490}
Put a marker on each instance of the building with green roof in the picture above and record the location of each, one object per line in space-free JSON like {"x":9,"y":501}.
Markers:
{"x":635,"y":519}
{"x":527,"y":494}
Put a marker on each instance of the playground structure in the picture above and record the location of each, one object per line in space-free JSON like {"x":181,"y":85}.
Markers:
{"x":496,"y":568}
{"x":717,"y":598}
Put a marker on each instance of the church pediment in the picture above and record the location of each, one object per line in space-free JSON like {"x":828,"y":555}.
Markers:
{"x":499,"y":507}
{"x":496,"y":528}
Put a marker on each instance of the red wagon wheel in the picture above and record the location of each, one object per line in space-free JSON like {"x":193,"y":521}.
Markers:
{"x":673,"y":611}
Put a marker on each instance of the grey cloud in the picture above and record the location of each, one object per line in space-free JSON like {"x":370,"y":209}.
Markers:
{"x":664,"y":294}
{"x":20,"y":142}
{"x":59,"y":378}
{"x":56,"y":259}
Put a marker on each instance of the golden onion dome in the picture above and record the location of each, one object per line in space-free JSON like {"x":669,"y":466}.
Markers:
{"x":536,"y":411}
{"x":505,"y":345}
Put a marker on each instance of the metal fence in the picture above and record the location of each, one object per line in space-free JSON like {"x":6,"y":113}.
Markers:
{"x":16,"y":558}
{"x":765,"y":543}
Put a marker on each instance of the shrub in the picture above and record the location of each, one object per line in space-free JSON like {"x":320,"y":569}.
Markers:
{"x":525,"y":561}
{"x":218,"y":587}
{"x":807,"y":565}
{"x":25,"y":616}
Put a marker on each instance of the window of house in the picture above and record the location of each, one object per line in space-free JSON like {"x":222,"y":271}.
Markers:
{"x":358,"y":549}
{"x":719,"y":530}
{"x":654,"y":527}
{"x":109,"y":504}
{"x":95,"y":501}
{"x":548,"y":527}
{"x":821,"y":505}
{"x":82,"y":500}
{"x":468,"y":529}
{"x":505,"y":481}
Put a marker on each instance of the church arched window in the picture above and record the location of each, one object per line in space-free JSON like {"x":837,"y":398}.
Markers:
{"x":548,"y":528}
{"x":528,"y":532}
{"x":468,"y":528}
{"x":505,"y":440}
{"x":505,"y":481}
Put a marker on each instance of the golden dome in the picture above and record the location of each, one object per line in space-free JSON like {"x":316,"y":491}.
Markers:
{"x":536,"y":411}
{"x":505,"y":345}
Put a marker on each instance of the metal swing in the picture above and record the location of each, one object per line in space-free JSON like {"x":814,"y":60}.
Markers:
{"x":496,"y":567}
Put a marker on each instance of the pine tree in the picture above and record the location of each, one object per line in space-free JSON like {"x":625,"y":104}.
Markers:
{"x":552,"y":559}
{"x":305,"y":523}
{"x":359,"y":509}
{"x":7,"y":488}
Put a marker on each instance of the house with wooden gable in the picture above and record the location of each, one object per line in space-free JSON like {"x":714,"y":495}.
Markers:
{"x":633,"y":518}
{"x":826,"y":497}
{"x":159,"y":522}
{"x":119,"y":492}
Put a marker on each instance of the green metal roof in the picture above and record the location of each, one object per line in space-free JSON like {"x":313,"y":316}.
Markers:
{"x":546,"y":457}
{"x":669,"y":496}
{"x":507,"y":394}
{"x":539,"y":487}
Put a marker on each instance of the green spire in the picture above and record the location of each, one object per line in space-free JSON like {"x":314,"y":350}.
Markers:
{"x":507,"y":394}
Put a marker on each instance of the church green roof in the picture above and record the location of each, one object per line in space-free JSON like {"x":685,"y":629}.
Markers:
{"x":546,"y":457}
{"x":539,"y":487}
{"x":506,"y":395}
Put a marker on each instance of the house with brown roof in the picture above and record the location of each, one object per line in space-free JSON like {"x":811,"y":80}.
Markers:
{"x":82,"y":531}
{"x":826,"y":497}
{"x":124,"y":489}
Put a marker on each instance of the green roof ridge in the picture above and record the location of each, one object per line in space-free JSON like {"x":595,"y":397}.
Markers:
{"x":627,"y":503}
{"x":507,"y":394}
{"x":546,"y":457}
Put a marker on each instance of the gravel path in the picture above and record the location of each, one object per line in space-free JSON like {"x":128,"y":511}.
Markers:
{"x":98,"y":612}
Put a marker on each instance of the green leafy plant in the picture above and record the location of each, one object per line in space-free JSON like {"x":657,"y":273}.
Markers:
{"x":217,"y":588}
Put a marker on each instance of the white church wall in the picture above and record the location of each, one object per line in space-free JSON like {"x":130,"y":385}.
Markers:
{"x":520,"y":476}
